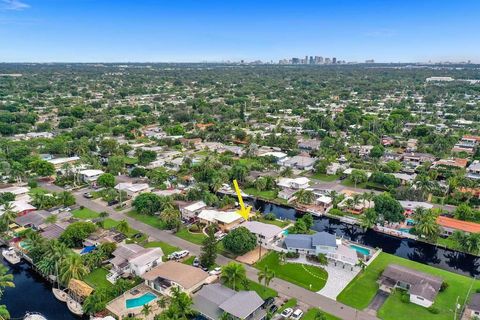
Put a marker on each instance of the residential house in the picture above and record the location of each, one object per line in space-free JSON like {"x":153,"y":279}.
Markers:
{"x":293,"y":183}
{"x":335,"y":167}
{"x":133,"y":189}
{"x":309,"y":144}
{"x":192,"y":210}
{"x":266,"y":233}
{"x":134,"y":259}
{"x":171,"y":274}
{"x":473,"y":170}
{"x":415,"y":159}
{"x":299,"y":162}
{"x":450,"y":225}
{"x":225,"y":220}
{"x":321,"y":243}
{"x":215,"y":300}
{"x":422,"y":287}
{"x":287,"y":194}
{"x":59,"y":162}
{"x":458,"y":163}
{"x":90,"y":175}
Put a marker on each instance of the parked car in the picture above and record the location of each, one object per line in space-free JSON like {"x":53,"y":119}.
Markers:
{"x":287,"y":313}
{"x":178,"y":255}
{"x":273,"y":308}
{"x":196,"y":262}
{"x":87,"y":195}
{"x":297,"y":314}
{"x":215,"y":272}
{"x":219,"y":235}
{"x":268,"y":302}
{"x":113,"y":202}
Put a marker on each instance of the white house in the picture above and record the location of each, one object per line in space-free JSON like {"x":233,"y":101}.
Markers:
{"x":90,"y":175}
{"x":134,"y":259}
{"x":225,"y":220}
{"x":266,"y":233}
{"x":192,"y":210}
{"x":294,"y":183}
{"x":133,"y":189}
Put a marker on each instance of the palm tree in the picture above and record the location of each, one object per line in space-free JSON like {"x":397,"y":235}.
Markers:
{"x":334,"y":196}
{"x":8,"y":214}
{"x":73,"y":268}
{"x":233,"y":274}
{"x":426,"y":223}
{"x":287,"y":172}
{"x":181,"y":303}
{"x":266,"y":275}
{"x":424,"y":184}
{"x":4,"y":314}
{"x":304,"y":196}
{"x":123,"y":227}
{"x":361,"y":264}
{"x":162,"y":302}
{"x":322,"y":259}
{"x":146,"y":310}
{"x":6,"y":279}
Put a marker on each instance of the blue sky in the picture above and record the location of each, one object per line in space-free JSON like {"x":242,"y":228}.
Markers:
{"x":207,"y":30}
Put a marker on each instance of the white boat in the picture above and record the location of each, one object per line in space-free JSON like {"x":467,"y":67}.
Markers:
{"x":34,"y":316}
{"x":60,"y":294}
{"x":11,"y":255}
{"x":74,"y":307}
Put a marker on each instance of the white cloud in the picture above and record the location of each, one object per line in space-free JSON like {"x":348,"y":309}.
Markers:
{"x":16,"y":5}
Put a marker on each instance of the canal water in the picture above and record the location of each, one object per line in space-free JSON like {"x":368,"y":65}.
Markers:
{"x":454,"y":261}
{"x":32,"y":294}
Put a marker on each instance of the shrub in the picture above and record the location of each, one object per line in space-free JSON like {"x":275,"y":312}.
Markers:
{"x":194,"y":228}
{"x":336,"y":212}
{"x":240,"y":241}
{"x":270,"y":216}
{"x":444,"y":286}
{"x":292,"y":255}
{"x":405,"y":297}
{"x":32,"y":183}
{"x":433,"y":310}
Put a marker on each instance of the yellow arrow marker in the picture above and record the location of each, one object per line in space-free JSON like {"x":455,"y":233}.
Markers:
{"x":243,"y":211}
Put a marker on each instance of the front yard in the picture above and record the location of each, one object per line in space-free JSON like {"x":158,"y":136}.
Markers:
{"x":309,"y":277}
{"x":166,"y":248}
{"x":363,"y":288}
{"x":311,"y":313}
{"x":85,"y":214}
{"x":153,"y":221}
{"x":196,"y":238}
{"x":98,"y":279}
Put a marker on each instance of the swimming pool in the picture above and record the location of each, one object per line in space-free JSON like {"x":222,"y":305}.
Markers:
{"x":285,"y":232}
{"x":405,"y":230}
{"x":140,"y":301}
{"x":362,"y":250}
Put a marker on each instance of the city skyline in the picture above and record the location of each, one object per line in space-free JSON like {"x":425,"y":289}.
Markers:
{"x":214,"y":31}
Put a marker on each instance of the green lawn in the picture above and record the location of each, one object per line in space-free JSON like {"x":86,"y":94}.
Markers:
{"x":267,"y":194}
{"x":166,"y":248}
{"x":277,"y":222}
{"x":310,"y":315}
{"x":325,"y":177}
{"x":349,"y":183}
{"x":263,"y":292}
{"x":363,"y":288}
{"x":153,"y":221}
{"x":85,"y":214}
{"x":97,"y":279}
{"x":196,"y":238}
{"x":130,"y":161}
{"x":38,"y":190}
{"x":189,"y":260}
{"x":309,"y":277}
{"x":109,"y":223}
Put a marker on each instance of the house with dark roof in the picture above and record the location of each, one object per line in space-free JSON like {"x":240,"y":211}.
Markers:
{"x":422,"y":287}
{"x":214,"y":300}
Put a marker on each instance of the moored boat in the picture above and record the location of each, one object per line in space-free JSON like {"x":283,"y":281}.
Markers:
{"x":34,"y":316}
{"x":60,"y":294}
{"x":74,"y":307}
{"x":11,"y":255}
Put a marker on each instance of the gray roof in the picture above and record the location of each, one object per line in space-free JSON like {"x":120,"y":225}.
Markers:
{"x":265,"y":229}
{"x":32,"y":219}
{"x":53,"y":231}
{"x":215,"y":299}
{"x":421,"y":283}
{"x":242,"y":304}
{"x":307,"y":241}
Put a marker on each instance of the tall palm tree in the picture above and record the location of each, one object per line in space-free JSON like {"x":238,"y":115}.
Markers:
{"x":334,"y":196}
{"x":6,"y":279}
{"x":4,"y":314}
{"x":181,"y":303}
{"x":266,"y":275}
{"x":73,"y":268}
{"x":426,"y":223}
{"x":233,"y":274}
{"x":146,"y":310}
{"x":304,"y":196}
{"x":123,"y":227}
{"x":8,"y":214}
{"x":322,"y":259}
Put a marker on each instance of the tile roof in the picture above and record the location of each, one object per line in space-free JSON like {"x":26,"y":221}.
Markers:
{"x":456,"y":224}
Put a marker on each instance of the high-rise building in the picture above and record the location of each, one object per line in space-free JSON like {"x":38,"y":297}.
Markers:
{"x":295,"y":61}
{"x":311,"y":61}
{"x":334,"y":60}
{"x":306,"y":60}
{"x":318,"y":60}
{"x":327,"y":60}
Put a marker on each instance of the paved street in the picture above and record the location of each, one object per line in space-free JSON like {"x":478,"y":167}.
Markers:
{"x":284,"y":288}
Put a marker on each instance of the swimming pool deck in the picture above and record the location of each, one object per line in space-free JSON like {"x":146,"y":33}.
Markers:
{"x":119,"y":308}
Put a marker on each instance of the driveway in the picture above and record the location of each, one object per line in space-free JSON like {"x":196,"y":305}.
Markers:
{"x":377,"y":301}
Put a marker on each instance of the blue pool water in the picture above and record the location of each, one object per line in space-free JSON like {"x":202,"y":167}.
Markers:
{"x":362,"y":250}
{"x":140,"y":301}
{"x":285,"y":232}
{"x":406,"y":230}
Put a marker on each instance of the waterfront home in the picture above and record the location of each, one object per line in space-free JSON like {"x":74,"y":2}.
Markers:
{"x":321,"y":243}
{"x":473,"y":170}
{"x":410,"y":206}
{"x":32,"y":219}
{"x":287,"y":194}
{"x":215,"y":300}
{"x":225,"y":220}
{"x":90,"y":175}
{"x":266,"y":233}
{"x":19,"y":207}
{"x":134,"y":259}
{"x":131,"y":302}
{"x":171,"y":274}
{"x":472,"y":309}
{"x":422,"y":287}
{"x":450,"y":225}
{"x":192,"y":210}
{"x":54,"y":231}
{"x":133,"y":189}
